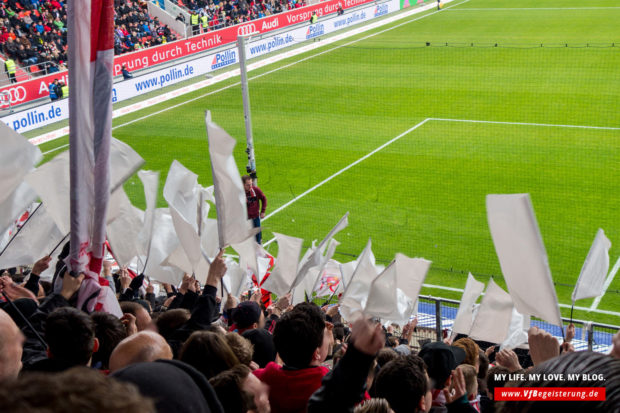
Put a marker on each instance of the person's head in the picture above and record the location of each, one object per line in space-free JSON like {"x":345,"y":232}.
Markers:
{"x":71,"y":391}
{"x":593,"y":369}
{"x":169,"y":321}
{"x":240,"y":391}
{"x":471,"y":380}
{"x":110,"y":331}
{"x":70,"y":336}
{"x":11,"y":346}
{"x":374,"y":406}
{"x":247,"y":182}
{"x":440,"y":360}
{"x":176,"y":386}
{"x":299,"y":336}
{"x":141,"y":347}
{"x":404,"y":383}
{"x":386,"y":355}
{"x":208,"y":352}
{"x":143,"y":318}
{"x":338,"y":332}
{"x":471,"y":350}
{"x":248,"y":315}
{"x":241,"y":347}
{"x":496,"y":377}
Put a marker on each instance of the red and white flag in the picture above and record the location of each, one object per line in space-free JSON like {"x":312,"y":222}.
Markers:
{"x":91,"y":53}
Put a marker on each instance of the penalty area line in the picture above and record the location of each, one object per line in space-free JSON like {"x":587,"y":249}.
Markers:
{"x":346,"y":168}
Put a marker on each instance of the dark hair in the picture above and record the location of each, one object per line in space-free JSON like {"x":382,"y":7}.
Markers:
{"x":386,"y":355}
{"x":338,"y":331}
{"x":228,"y":386}
{"x":70,"y":335}
{"x":169,"y":321}
{"x":580,"y":363}
{"x":110,"y":331}
{"x":72,"y":391}
{"x":241,"y":346}
{"x":298,"y":334}
{"x":246,"y":178}
{"x":208,"y":352}
{"x":402,"y":382}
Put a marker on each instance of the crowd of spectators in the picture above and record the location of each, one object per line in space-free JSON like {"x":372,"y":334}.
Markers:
{"x":212,"y":15}
{"x":34,"y":32}
{"x":183,"y":351}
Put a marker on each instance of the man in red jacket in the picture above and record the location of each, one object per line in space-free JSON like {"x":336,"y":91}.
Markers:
{"x":302,"y":342}
{"x":253,"y":195}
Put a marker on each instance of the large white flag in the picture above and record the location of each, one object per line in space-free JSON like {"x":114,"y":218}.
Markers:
{"x":356,"y":292}
{"x":123,"y":227}
{"x":233,"y":224}
{"x":464,"y":316}
{"x":522,"y":256}
{"x":492,"y":321}
{"x":410,"y":274}
{"x":164,"y":242}
{"x":183,"y":195}
{"x":283,"y":275}
{"x":330,"y":284}
{"x":386,"y":300}
{"x":17,"y":158}
{"x":36,"y":239}
{"x":314,"y":257}
{"x":591,"y":282}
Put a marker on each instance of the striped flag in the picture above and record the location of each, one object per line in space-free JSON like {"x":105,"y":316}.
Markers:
{"x":91,"y":53}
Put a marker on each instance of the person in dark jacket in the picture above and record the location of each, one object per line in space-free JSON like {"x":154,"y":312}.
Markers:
{"x":256,"y":201}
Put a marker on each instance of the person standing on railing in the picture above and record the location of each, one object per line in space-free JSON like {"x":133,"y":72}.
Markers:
{"x":256,"y":201}
{"x":11,"y":69}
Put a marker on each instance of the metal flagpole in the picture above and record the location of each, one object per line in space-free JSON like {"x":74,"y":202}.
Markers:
{"x":251,"y":167}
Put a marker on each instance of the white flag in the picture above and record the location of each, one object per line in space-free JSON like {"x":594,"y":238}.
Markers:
{"x":123,"y":227}
{"x":283,"y":275}
{"x":17,"y":158}
{"x":164,"y":242}
{"x":356,"y":292}
{"x":150,"y":183}
{"x":330,"y":280}
{"x":247,"y":251}
{"x":522,"y":256}
{"x":493,"y":318}
{"x":15,"y":205}
{"x":411,"y":273}
{"x":183,"y":195}
{"x":386,"y":300}
{"x":464,"y":316}
{"x":36,"y":239}
{"x":234,"y":227}
{"x":313,"y":259}
{"x":237,"y":277}
{"x":517,"y":331}
{"x":346,"y":272}
{"x":591,"y":282}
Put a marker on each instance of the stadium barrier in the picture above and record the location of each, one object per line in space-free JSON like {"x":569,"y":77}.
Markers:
{"x":59,"y":110}
{"x":436,"y":316}
{"x":34,"y":89}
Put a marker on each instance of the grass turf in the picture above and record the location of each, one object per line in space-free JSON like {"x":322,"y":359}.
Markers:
{"x":424,"y":194}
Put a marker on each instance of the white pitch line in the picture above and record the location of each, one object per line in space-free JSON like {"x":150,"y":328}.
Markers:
{"x":304,"y":49}
{"x":346,"y":168}
{"x":608,"y":281}
{"x":548,"y":125}
{"x":55,"y":149}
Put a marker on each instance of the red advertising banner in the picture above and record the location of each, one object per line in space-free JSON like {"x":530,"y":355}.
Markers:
{"x":38,"y":88}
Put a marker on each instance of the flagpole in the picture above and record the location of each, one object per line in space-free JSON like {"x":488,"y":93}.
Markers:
{"x":20,"y":228}
{"x":58,"y":245}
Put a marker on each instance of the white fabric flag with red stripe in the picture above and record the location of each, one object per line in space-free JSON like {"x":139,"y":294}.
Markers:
{"x":91,"y":53}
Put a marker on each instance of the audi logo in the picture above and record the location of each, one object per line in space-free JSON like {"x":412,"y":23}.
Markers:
{"x":18,"y":94}
{"x":246,"y":29}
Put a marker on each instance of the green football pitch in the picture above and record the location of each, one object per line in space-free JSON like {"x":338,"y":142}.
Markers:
{"x":409,"y":127}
